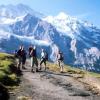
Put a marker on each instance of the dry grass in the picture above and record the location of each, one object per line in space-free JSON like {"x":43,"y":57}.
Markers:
{"x":24,"y":98}
{"x":67,"y":69}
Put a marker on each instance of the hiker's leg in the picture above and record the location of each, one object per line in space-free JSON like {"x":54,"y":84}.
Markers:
{"x":45,"y":64}
{"x":36,"y":63}
{"x":59,"y":63}
{"x":32,"y":64}
{"x":31,"y":61}
{"x":61,"y":70}
{"x":23,"y":63}
{"x":19,"y":63}
{"x":41,"y":63}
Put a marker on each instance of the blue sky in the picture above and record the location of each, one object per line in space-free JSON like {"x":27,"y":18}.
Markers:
{"x":83,"y":9}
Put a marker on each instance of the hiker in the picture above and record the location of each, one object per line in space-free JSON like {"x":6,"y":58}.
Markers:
{"x":34,"y":60}
{"x":44,"y":58}
{"x":30,"y":55}
{"x":60,"y":59}
{"x":24,"y":58}
{"x":21,"y":53}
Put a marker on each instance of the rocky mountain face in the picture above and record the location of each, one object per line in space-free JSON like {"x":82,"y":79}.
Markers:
{"x":78,"y":40}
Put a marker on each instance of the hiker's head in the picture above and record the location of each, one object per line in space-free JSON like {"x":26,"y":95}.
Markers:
{"x":22,"y":47}
{"x":42,"y":50}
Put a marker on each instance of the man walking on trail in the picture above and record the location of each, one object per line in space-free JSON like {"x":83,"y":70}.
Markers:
{"x":60,"y":59}
{"x":30,"y":56}
{"x":44,"y":58}
{"x":34,"y":60}
{"x":21,"y":57}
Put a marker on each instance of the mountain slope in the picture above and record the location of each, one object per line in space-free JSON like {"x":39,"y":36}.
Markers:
{"x":85,"y":43}
{"x":13,"y":11}
{"x":78,"y":40}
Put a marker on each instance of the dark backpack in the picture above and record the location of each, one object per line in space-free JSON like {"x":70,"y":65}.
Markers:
{"x":33,"y":53}
{"x":30,"y":49}
{"x":46,"y":56}
{"x":60,"y":56}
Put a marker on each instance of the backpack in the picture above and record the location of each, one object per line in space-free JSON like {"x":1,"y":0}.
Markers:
{"x":33,"y":53}
{"x":46,"y":56}
{"x":29,"y":50}
{"x":60,"y":56}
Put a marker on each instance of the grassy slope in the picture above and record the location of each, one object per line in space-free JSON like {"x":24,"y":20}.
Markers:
{"x":71,"y":70}
{"x":7,"y":76}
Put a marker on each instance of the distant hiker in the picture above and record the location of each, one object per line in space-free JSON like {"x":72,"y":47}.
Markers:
{"x":60,"y":59}
{"x":21,"y":53}
{"x":34,"y":60}
{"x":24,"y":57}
{"x":44,"y":58}
{"x":29,"y":54}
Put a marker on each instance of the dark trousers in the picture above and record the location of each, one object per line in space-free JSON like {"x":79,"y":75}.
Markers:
{"x":43,"y":60}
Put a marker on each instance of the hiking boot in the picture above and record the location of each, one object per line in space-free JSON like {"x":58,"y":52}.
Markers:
{"x":61,"y":71}
{"x":45,"y":68}
{"x":37,"y":70}
{"x":32,"y":71}
{"x":40,"y":68}
{"x":18,"y":68}
{"x":23,"y":67}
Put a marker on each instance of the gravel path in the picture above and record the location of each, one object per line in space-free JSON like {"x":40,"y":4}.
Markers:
{"x":46,"y":85}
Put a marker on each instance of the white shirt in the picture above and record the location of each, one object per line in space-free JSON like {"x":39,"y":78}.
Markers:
{"x":42,"y":54}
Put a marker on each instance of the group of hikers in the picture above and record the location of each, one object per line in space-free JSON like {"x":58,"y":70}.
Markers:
{"x":21,"y":54}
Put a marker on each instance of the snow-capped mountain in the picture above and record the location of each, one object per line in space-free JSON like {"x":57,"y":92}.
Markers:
{"x":85,"y":43}
{"x":13,"y":11}
{"x":78,"y":40}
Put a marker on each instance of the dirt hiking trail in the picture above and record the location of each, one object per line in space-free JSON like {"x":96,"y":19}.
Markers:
{"x":48,"y":85}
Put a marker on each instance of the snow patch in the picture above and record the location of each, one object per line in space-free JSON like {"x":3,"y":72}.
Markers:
{"x":54,"y":52}
{"x":95,"y":52}
{"x":32,"y":40}
{"x":4,"y":35}
{"x":63,"y":23}
{"x":73,"y":47}
{"x":6,"y":20}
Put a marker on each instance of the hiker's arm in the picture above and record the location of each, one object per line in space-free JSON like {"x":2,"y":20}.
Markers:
{"x":31,"y":52}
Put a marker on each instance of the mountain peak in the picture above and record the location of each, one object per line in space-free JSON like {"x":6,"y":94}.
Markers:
{"x":13,"y":11}
{"x":62,"y":21}
{"x":62,"y":15}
